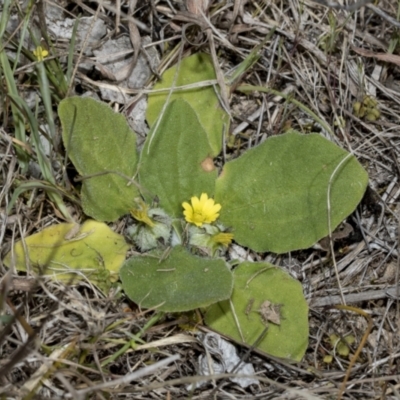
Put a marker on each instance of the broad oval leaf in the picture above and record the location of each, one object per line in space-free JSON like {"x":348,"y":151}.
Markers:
{"x":175,"y":162}
{"x":203,"y":99}
{"x":102,"y":148}
{"x":265,"y":301}
{"x":181,"y":282}
{"x":69,"y":253}
{"x":275,"y":195}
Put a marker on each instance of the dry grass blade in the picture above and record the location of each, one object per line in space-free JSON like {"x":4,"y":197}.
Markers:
{"x":351,"y":7}
{"x":390,"y":58}
{"x":132,"y":376}
{"x":360,"y":347}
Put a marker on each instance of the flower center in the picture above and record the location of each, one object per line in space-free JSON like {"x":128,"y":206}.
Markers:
{"x":198,"y":217}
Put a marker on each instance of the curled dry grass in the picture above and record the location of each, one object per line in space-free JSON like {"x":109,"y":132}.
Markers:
{"x":73,"y":342}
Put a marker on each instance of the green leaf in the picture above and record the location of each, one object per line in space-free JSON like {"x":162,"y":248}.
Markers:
{"x":176,"y":164}
{"x":204,"y":100}
{"x":275,"y":195}
{"x":255,"y":286}
{"x":102,"y":148}
{"x":181,"y":282}
{"x":69,"y":252}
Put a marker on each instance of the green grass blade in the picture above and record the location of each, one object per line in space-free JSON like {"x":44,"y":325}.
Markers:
{"x":43,"y":161}
{"x":45,"y":91}
{"x":18,"y":118}
{"x":24,"y":31}
{"x":68,"y":75}
{"x":6,"y":70}
{"x":5,"y":15}
{"x":50,"y":189}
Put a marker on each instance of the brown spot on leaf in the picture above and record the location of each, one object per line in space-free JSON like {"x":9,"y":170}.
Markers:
{"x":208,"y":164}
{"x":249,"y":307}
{"x":270,"y":312}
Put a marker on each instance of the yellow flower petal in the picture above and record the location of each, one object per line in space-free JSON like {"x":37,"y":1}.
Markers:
{"x":208,"y":205}
{"x":40,"y":53}
{"x":187,"y":206}
{"x":196,"y":204}
{"x":203,"y":210}
{"x":223,"y":238}
{"x":217,"y":207}
{"x":203,"y":198}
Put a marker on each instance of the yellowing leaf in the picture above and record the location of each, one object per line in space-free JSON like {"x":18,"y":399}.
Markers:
{"x":68,"y":252}
{"x":203,"y":99}
{"x":328,"y":359}
{"x":342,"y":346}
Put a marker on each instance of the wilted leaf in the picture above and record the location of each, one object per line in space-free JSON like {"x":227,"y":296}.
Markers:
{"x":64,"y":253}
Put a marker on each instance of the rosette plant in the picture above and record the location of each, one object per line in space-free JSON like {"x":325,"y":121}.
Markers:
{"x":282,"y":195}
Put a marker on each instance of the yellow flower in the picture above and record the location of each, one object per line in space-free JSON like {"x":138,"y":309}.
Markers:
{"x":142,"y":213}
{"x":152,"y":227}
{"x":222,"y":238}
{"x":40,"y":53}
{"x":201,"y":211}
